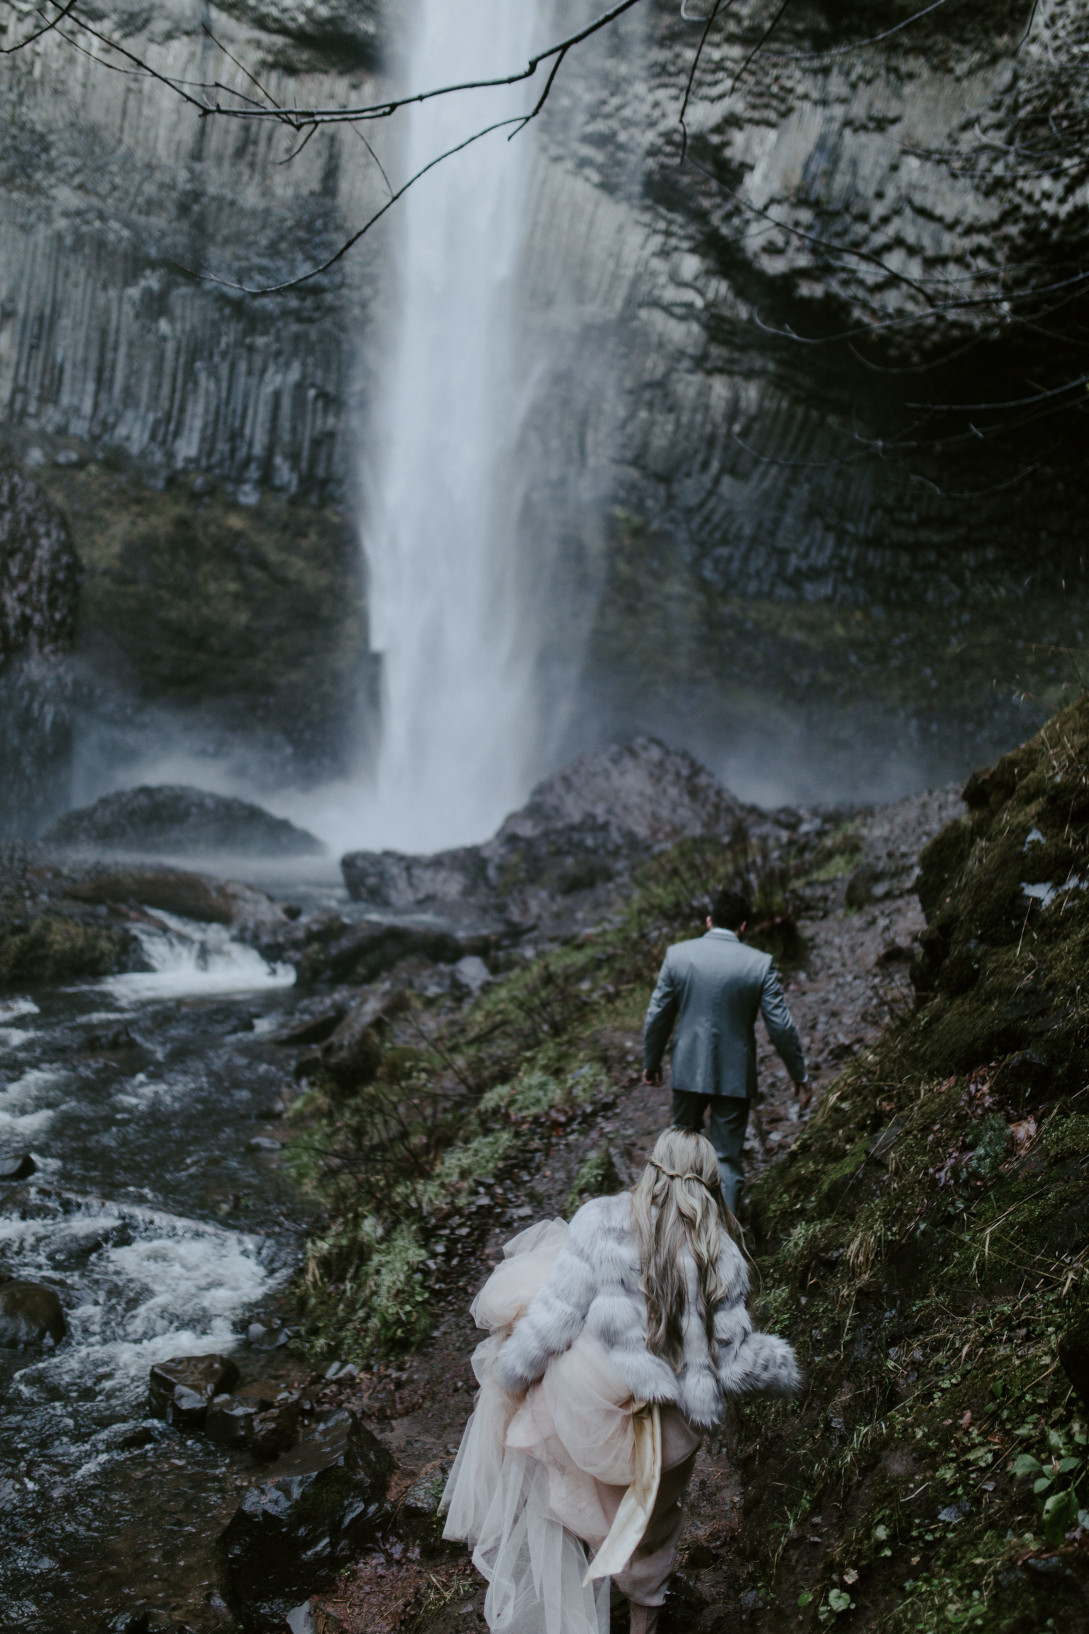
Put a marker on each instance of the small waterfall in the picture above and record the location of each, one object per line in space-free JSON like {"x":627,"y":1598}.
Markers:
{"x":442,"y":530}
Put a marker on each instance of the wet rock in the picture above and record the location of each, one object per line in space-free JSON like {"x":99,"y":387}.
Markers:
{"x":421,"y":1501}
{"x":30,"y":1314}
{"x":366,"y":950}
{"x":308,"y":1065}
{"x":294,"y":1528}
{"x":181,"y":1389}
{"x":249,"y":913}
{"x":17,"y":1168}
{"x":472,"y":973}
{"x":268,"y":1335}
{"x":353,"y":1053}
{"x":580,"y":829}
{"x":174,"y":820}
{"x":656,"y":794}
{"x":63,"y":945}
{"x":390,"y":879}
{"x":230,"y":1416}
{"x":265,"y":1143}
{"x":274,"y":1431}
{"x":312,"y":1023}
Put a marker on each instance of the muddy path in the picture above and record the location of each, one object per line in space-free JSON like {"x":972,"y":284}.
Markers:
{"x":858,"y":927}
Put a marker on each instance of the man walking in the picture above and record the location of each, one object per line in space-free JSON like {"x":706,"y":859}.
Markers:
{"x":711,"y":988}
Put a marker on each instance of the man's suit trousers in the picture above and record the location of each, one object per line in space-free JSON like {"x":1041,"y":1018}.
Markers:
{"x":728,"y":1122}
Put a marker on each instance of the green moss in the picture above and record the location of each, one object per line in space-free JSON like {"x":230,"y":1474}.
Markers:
{"x":52,"y":948}
{"x":255,"y":613}
{"x":597,"y":1177}
{"x":924,"y":1243}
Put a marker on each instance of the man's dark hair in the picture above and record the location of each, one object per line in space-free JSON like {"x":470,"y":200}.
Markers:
{"x":729,"y":909}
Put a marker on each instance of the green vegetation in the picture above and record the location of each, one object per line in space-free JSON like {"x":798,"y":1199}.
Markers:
{"x":925,"y":1244}
{"x":256,"y":613}
{"x":926,"y":1247}
{"x":457,"y":1094}
{"x":52,"y":948}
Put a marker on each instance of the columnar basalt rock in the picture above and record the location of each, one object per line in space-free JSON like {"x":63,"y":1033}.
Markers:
{"x":39,"y":589}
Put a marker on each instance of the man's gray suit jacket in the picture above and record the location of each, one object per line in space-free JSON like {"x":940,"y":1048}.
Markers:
{"x":712,"y":988}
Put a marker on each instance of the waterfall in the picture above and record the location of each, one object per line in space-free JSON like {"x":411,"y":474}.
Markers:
{"x":441,"y":531}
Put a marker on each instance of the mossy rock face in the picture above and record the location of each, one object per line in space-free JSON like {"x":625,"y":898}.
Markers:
{"x":925,"y":1250}
{"x":252,"y":617}
{"x":1006,"y":895}
{"x":52,"y":947}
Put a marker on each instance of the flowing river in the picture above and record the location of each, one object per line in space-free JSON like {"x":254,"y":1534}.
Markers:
{"x":165,"y":1232}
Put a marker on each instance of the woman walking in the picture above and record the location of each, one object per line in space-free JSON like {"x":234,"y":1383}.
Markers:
{"x":612,"y":1345}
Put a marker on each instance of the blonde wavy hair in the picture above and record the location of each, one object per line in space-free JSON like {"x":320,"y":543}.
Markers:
{"x":676,"y":1204}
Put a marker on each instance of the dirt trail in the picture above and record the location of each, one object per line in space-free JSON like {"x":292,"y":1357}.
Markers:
{"x":853,"y":975}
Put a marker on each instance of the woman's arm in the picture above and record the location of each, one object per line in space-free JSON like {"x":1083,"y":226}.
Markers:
{"x":749,"y":1360}
{"x":555,"y":1315}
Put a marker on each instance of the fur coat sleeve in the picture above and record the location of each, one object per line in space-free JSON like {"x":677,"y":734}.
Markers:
{"x":596,"y":1284}
{"x":748,"y":1360}
{"x":556,"y":1314}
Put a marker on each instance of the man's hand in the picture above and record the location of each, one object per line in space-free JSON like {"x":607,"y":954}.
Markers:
{"x":652,"y":1079}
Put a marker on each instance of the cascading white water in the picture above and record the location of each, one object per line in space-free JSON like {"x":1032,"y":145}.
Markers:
{"x":459,"y":659}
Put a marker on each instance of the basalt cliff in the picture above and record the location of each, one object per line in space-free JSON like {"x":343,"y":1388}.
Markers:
{"x":761,"y":429}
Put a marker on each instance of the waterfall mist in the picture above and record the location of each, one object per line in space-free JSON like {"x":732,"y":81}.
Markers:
{"x":443,"y":496}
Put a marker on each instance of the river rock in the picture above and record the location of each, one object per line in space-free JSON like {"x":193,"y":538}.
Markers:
{"x":249,"y":913}
{"x":182,"y":1388}
{"x":364,"y":951}
{"x":29,"y":1314}
{"x":274,"y":1431}
{"x":230,"y":1415}
{"x":354,"y":1050}
{"x":294,"y":1528}
{"x":175,"y":820}
{"x":17,"y":1168}
{"x":312,"y":1022}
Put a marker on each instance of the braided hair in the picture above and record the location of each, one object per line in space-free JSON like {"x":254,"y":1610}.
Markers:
{"x":677,"y":1204}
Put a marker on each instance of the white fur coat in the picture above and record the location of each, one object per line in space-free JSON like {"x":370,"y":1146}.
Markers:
{"x":594,"y":1284}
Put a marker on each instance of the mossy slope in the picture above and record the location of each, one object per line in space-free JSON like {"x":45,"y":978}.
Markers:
{"x":926,"y":1246}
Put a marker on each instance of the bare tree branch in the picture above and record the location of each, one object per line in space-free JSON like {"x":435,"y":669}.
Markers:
{"x":21,"y":45}
{"x":338,"y":255}
{"x":707,"y":26}
{"x":855,"y":45}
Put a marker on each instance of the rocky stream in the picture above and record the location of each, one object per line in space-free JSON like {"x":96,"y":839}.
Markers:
{"x":200,"y":1437}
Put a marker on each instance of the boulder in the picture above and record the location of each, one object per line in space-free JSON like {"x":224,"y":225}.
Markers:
{"x":312,"y":1023}
{"x":391,"y":879}
{"x":17,"y":1168}
{"x":230,"y":1416}
{"x":174,"y":820}
{"x":249,"y":913}
{"x":182,"y":1388}
{"x":30,"y":1314}
{"x":582,"y":828}
{"x":656,"y":794}
{"x":353,"y":1052}
{"x":274,"y":1431}
{"x":363,"y":951}
{"x":294,"y":1528}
